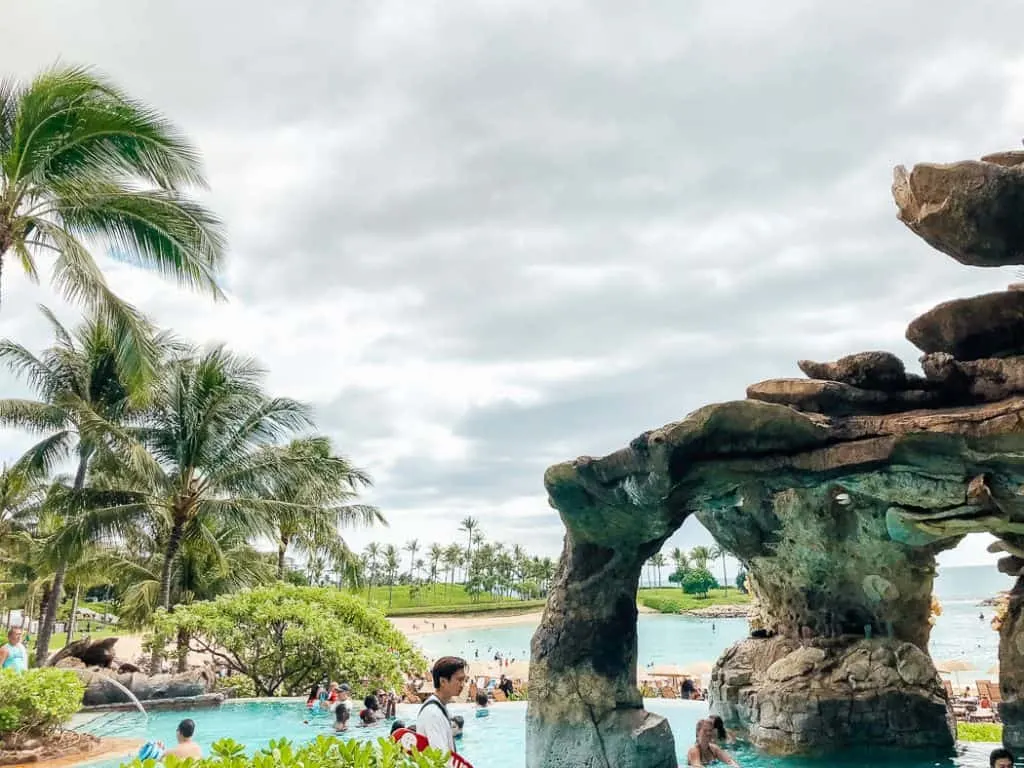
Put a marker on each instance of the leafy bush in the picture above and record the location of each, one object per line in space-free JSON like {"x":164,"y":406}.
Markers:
{"x":741,"y":581}
{"x":324,"y":752}
{"x":987,"y":732}
{"x":286,"y":638}
{"x":237,"y":686}
{"x":699,"y":581}
{"x":38,"y":701}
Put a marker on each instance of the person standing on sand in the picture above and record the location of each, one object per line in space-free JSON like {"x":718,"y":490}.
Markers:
{"x":433,"y":721}
{"x":14,"y":655}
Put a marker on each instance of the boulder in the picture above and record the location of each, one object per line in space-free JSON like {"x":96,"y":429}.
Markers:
{"x":99,"y":690}
{"x":831,"y":695}
{"x":1011,"y":669}
{"x":836,"y":398}
{"x":1009,"y":159}
{"x":865,"y":370}
{"x":968,"y":210}
{"x":92,"y":653}
{"x":981,"y":381}
{"x":990,"y":325}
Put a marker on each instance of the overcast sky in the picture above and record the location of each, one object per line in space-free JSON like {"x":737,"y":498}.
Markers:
{"x":482,"y":237}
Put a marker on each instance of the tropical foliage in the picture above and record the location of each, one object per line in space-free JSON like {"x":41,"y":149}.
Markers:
{"x":82,"y":162}
{"x":322,"y":752}
{"x":37,"y":702}
{"x":173,"y":482}
{"x":485,"y":570}
{"x":304,"y":634}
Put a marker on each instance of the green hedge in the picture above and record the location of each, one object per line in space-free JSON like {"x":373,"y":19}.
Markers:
{"x":37,"y":702}
{"x":509,"y":606}
{"x":325,"y":752}
{"x":991,"y":733}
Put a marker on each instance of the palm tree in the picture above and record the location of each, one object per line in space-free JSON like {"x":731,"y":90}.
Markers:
{"x":452,"y":559}
{"x":412,"y":547}
{"x":83,"y":396}
{"x":212,"y":561}
{"x":436,"y":556}
{"x":312,"y":507}
{"x":82,"y":162}
{"x":371,"y":554}
{"x":391,"y":563}
{"x":680,"y":558}
{"x":658,"y":561}
{"x":700,"y":556}
{"x":469,"y":525}
{"x":716,"y":553}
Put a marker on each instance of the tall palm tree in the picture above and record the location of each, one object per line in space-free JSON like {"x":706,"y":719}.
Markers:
{"x":412,"y":547}
{"x":680,"y":558}
{"x":314,"y":506}
{"x":700,"y":556}
{"x":80,"y":161}
{"x":658,"y":561}
{"x":83,"y":397}
{"x":452,"y":560}
{"x":391,"y":564}
{"x":372,"y":553}
{"x":470,"y":525}
{"x":719,"y":553}
{"x":436,"y":556}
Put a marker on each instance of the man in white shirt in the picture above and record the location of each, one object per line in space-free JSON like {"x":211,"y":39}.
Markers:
{"x":434,"y":722}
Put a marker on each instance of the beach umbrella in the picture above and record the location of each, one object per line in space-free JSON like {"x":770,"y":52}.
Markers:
{"x":668,"y":670}
{"x":954,"y":667}
{"x":698,"y":668}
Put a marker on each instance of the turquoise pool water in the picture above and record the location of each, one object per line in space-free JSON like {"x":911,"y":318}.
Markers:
{"x":492,"y":742}
{"x":959,"y":633}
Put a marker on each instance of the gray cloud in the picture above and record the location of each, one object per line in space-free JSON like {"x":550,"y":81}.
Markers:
{"x":564,"y":224}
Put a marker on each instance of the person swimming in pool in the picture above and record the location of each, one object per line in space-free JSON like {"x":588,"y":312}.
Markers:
{"x":705,"y":751}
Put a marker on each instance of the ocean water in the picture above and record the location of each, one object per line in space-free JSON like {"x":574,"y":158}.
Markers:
{"x":497,"y":741}
{"x":959,"y":633}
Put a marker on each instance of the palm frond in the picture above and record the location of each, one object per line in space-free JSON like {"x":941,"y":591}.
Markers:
{"x":154,"y":229}
{"x":72,"y":123}
{"x":32,"y":415}
{"x":27,"y":367}
{"x":78,"y":278}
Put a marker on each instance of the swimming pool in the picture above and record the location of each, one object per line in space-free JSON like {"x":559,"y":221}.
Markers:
{"x":496,"y":741}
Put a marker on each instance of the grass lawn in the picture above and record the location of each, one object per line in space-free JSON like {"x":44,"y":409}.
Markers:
{"x":428,"y":600}
{"x":674,"y":600}
{"x":987,"y":732}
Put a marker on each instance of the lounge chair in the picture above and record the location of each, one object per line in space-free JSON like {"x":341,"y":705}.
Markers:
{"x":949,"y":689}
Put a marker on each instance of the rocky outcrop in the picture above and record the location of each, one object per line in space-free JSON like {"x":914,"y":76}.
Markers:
{"x":839,"y":399}
{"x":99,"y":691}
{"x":1011,"y":669}
{"x":836,"y":493}
{"x":968,"y":210}
{"x":990,"y":325}
{"x":866,"y":370}
{"x":817,"y":695}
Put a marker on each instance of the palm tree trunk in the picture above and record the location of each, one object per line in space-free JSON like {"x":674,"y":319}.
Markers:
{"x":170,"y":552}
{"x":183,"y":639}
{"x":56,"y":591}
{"x":725,"y":576}
{"x":282,"y":547}
{"x":71,"y":616}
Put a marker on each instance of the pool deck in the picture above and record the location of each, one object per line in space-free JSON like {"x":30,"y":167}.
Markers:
{"x":107,"y":749}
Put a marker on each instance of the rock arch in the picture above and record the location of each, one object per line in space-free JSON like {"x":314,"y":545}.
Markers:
{"x":836,"y":492}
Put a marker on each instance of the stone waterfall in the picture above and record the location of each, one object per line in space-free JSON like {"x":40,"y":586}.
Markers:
{"x":836,"y":492}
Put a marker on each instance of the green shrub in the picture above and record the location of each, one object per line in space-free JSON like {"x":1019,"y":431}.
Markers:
{"x":286,"y":638}
{"x":238,"y":686}
{"x":325,"y":752}
{"x":41,"y":700}
{"x":991,"y":733}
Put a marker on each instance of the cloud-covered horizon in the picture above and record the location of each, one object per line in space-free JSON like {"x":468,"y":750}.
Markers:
{"x":485,"y":237}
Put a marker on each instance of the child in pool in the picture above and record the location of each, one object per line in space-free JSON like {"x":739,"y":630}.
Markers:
{"x":481,"y":705}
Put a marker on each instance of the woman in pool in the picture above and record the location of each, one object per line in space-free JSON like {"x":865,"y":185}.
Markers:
{"x":721,"y":736}
{"x":314,"y":695}
{"x":705,"y":751}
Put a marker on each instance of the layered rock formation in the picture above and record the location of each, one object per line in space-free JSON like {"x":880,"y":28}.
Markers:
{"x":836,"y":492}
